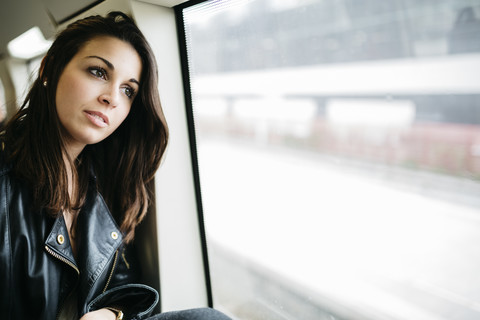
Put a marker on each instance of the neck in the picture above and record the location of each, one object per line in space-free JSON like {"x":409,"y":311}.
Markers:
{"x":72,"y":146}
{"x":73,"y":151}
{"x":72,"y":183}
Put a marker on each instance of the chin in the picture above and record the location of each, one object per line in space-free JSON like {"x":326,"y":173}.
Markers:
{"x":92,"y":140}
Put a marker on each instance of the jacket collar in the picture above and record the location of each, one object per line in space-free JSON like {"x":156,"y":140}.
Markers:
{"x":58,"y":243}
{"x":99,"y":238}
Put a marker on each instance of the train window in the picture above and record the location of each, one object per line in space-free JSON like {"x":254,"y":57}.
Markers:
{"x":339,"y":156}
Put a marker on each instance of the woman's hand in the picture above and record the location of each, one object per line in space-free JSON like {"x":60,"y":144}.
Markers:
{"x":101,"y":314}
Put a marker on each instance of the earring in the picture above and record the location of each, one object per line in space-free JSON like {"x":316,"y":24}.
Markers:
{"x":45,"y":83}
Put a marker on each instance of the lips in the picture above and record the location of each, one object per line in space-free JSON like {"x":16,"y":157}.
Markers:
{"x":97,"y":118}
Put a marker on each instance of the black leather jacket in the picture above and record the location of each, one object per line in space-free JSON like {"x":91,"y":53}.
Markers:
{"x":37,"y":268}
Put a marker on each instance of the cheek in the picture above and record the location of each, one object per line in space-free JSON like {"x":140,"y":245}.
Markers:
{"x":70,"y":91}
{"x":121,"y":116}
{"x":124,"y":112}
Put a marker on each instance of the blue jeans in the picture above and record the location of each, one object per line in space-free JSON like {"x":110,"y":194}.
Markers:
{"x":191,"y":314}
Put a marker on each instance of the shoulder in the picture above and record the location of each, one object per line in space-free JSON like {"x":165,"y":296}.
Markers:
{"x":9,"y":182}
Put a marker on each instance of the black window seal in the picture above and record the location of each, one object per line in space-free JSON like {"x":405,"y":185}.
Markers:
{"x":182,"y":43}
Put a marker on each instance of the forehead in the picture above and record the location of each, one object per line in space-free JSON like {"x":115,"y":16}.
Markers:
{"x":122,"y":55}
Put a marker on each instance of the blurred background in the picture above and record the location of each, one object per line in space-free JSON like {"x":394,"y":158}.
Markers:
{"x":339,"y":155}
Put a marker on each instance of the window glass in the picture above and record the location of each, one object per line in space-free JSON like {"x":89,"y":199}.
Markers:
{"x":339,"y":156}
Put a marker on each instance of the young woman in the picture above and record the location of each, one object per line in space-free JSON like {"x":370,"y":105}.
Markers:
{"x":75,"y":162}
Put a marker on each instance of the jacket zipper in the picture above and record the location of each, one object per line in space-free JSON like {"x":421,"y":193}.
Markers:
{"x":111,"y":272}
{"x":59,"y":257}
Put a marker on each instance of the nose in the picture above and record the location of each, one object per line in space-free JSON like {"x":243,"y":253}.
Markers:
{"x":109,"y":98}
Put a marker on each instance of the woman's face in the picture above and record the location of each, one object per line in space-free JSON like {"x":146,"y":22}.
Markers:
{"x":96,"y":90}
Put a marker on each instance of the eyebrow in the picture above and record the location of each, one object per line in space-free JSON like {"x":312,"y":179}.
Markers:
{"x":112,"y":67}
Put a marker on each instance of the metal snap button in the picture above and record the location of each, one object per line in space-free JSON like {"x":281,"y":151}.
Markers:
{"x":114,"y":235}
{"x":60,"y":239}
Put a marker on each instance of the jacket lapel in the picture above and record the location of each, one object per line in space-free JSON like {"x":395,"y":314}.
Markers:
{"x":98,"y":236}
{"x":100,"y":239}
{"x":58,"y":245}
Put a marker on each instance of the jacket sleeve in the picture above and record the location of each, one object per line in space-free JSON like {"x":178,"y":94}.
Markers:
{"x":135,"y":300}
{"x":124,"y":290}
{"x":127,"y":267}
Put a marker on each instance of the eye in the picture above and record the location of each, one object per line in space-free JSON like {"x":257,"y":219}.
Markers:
{"x":129,"y":92}
{"x":98,"y":72}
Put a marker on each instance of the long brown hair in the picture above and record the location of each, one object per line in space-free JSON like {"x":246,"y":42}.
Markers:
{"x":124,"y":162}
